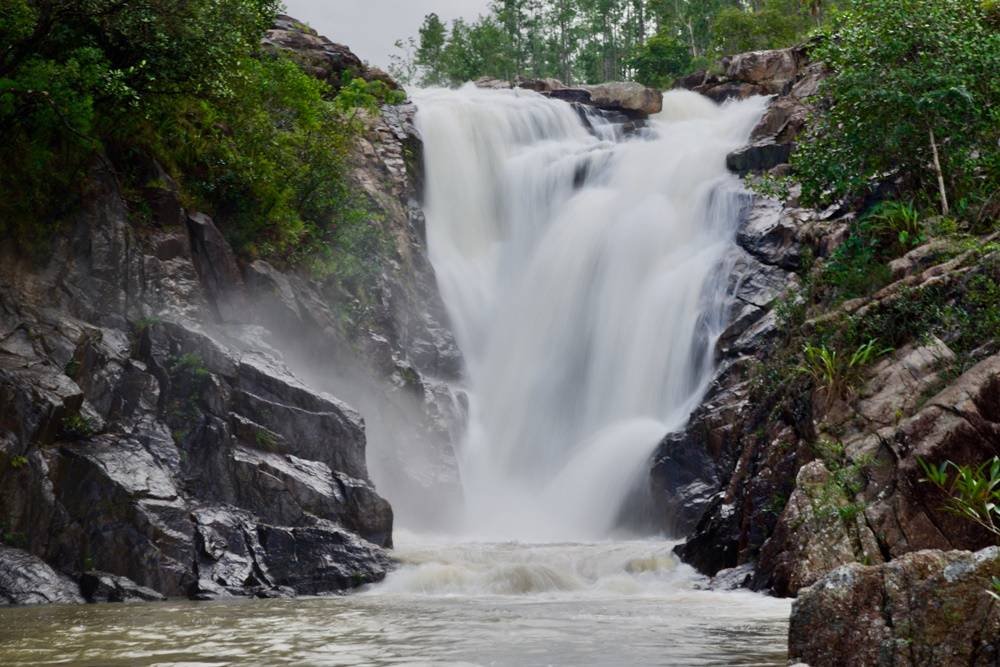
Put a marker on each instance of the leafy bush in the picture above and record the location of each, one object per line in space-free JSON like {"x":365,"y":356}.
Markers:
{"x":835,"y":373}
{"x":251,"y":139}
{"x":910,"y":85}
{"x":75,"y":74}
{"x":973,"y":492}
{"x":855,"y":268}
{"x":77,"y":427}
{"x":898,"y":223}
{"x":661,"y":60}
{"x":858,"y":266}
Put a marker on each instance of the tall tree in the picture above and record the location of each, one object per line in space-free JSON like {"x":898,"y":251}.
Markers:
{"x":430,"y":52}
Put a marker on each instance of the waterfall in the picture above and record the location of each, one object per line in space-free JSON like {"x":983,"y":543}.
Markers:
{"x":585,"y":276}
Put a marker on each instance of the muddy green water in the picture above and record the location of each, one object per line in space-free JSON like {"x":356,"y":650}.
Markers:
{"x":624,"y":603}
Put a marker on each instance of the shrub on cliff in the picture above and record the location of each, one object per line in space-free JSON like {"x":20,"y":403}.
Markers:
{"x":913,"y":93}
{"x":249,"y":136}
{"x":75,"y":73}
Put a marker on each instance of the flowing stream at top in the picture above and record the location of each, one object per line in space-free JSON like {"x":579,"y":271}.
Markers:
{"x":585,"y":278}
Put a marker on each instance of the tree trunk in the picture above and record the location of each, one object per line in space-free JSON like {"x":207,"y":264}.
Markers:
{"x":940,"y":174}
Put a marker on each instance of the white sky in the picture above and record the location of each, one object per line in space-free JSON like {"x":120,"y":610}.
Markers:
{"x":371,"y":27}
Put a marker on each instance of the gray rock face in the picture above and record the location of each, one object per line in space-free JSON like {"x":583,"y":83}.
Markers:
{"x":153,"y":435}
{"x":26,"y":579}
{"x":138,"y":391}
{"x":217,"y":268}
{"x":926,"y":608}
{"x":759,"y":156}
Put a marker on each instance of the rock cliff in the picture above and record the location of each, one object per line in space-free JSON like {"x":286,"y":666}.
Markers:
{"x":166,"y":426}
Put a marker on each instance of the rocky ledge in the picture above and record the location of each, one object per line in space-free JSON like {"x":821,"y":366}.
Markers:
{"x":624,"y":100}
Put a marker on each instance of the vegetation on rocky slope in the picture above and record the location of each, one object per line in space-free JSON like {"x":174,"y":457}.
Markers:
{"x":248,"y":136}
{"x":911,"y":97}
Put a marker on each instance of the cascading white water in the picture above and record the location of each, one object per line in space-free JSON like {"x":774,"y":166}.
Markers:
{"x":584,"y":277}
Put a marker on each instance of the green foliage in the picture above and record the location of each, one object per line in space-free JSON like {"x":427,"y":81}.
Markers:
{"x":900,"y":222}
{"x":251,"y":138}
{"x":266,"y":440}
{"x":271,"y":164}
{"x":904,"y":72}
{"x":77,"y":427}
{"x":17,"y":540}
{"x":75,"y":73}
{"x":189,"y":365}
{"x":651,"y":41}
{"x":835,"y":373}
{"x":18,"y":462}
{"x":858,"y":266}
{"x":973,"y":492}
{"x":847,"y":480}
{"x":775,"y":24}
{"x":660,"y":60}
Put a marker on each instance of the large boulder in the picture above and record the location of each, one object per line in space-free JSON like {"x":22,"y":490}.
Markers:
{"x":626,"y":96}
{"x":27,"y":579}
{"x":926,"y":608}
{"x":772,"y":70}
{"x":819,"y":530}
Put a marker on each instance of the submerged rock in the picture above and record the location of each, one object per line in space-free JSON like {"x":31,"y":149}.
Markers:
{"x":104,"y":587}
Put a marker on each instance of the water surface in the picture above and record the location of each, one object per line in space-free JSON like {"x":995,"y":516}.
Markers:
{"x":624,"y":603}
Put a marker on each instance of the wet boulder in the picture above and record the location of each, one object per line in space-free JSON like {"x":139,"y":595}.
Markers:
{"x":626,"y":96}
{"x":217,"y":268}
{"x":759,"y":156}
{"x":27,"y":579}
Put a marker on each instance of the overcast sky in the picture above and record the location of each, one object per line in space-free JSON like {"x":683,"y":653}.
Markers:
{"x":371,"y":27}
